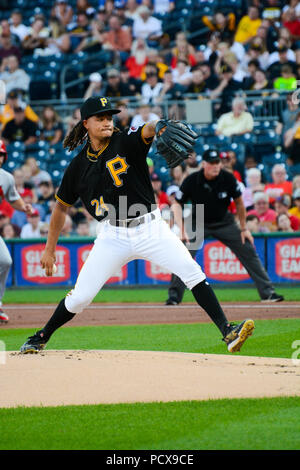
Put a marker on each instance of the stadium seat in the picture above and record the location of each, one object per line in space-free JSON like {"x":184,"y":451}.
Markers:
{"x":17,"y":157}
{"x":42,"y":164}
{"x":164,"y":175}
{"x":40,"y":155}
{"x":15,"y":146}
{"x":56,"y":176}
{"x":62,"y":164}
{"x":238,"y":149}
{"x":274,"y":158}
{"x":206,"y":130}
{"x":217,"y":140}
{"x":230,"y":4}
{"x":294,"y":170}
{"x":11,"y":165}
{"x":43,"y":86}
{"x":243,"y":139}
{"x":37,"y":146}
{"x":31,"y":67}
{"x":266,"y":137}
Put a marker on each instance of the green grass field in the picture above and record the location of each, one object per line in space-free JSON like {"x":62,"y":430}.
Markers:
{"x":239,"y":424}
{"x":220,"y":424}
{"x":143,"y":295}
{"x":271,"y":338}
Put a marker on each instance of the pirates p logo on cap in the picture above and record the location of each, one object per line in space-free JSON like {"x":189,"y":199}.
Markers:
{"x":97,"y":105}
{"x":103,"y":101}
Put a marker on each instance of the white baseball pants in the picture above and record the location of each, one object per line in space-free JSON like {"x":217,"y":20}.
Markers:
{"x":116,"y":246}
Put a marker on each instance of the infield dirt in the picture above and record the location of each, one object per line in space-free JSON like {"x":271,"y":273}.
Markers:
{"x":53,"y":378}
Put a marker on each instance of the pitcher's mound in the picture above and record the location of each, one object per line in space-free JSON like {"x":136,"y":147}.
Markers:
{"x":54,"y":378}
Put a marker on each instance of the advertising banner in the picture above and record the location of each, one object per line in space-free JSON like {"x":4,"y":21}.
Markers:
{"x":221,"y":265}
{"x":28,"y":270}
{"x":69,"y":260}
{"x":9,"y":280}
{"x":281,"y":257}
{"x":126,"y":274}
{"x":284,"y":259}
{"x":150,"y":273}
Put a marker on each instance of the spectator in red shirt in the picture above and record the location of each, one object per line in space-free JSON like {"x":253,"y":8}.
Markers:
{"x":161,"y":197}
{"x":267,"y":217}
{"x":280,"y":185}
{"x":292,"y":23}
{"x":282,"y":207}
{"x":183,"y":50}
{"x":138,"y":58}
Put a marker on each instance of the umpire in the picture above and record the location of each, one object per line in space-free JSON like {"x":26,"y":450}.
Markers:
{"x":215,"y":188}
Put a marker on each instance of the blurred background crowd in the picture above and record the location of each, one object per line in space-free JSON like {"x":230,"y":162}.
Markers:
{"x":152,"y":57}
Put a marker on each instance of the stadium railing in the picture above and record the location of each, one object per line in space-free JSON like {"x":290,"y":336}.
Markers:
{"x":262,"y":107}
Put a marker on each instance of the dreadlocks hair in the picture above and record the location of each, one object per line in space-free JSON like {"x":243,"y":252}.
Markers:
{"x":76,"y":137}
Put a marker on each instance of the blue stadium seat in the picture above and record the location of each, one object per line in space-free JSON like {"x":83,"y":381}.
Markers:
{"x":294,"y":170}
{"x":272,"y":159}
{"x":70,"y":155}
{"x":239,"y":149}
{"x":40,"y":155}
{"x":11,"y":165}
{"x":37,"y":146}
{"x":268,"y":137}
{"x":198,"y":147}
{"x":62,"y":164}
{"x":206,"y":130}
{"x":15,"y":146}
{"x":56,"y":176}
{"x":243,"y":139}
{"x":17,"y":157}
{"x":43,"y":86}
{"x":31,"y":68}
{"x":230,"y":4}
{"x":164,"y":175}
{"x":217,"y":140}
{"x":42,"y":164}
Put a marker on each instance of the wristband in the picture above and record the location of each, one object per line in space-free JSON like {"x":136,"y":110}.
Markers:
{"x":244,"y":229}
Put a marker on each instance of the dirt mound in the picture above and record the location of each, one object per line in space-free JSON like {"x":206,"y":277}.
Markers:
{"x":56,"y":378}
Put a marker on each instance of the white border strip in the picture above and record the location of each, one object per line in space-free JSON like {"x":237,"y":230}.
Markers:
{"x":155,"y":306}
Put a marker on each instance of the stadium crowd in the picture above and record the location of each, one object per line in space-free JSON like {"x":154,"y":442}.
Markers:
{"x":254,"y":47}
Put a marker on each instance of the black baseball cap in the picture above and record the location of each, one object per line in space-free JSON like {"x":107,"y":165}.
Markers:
{"x":211,"y":156}
{"x":225,"y":68}
{"x":282,"y":48}
{"x":97,"y":105}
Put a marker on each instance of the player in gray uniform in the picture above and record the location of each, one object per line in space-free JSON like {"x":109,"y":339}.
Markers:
{"x":9,"y":192}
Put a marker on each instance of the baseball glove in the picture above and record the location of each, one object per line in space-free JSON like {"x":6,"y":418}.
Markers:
{"x":175,"y":141}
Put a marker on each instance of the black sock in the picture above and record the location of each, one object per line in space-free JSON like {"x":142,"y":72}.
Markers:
{"x":59,"y":318}
{"x":207,"y":299}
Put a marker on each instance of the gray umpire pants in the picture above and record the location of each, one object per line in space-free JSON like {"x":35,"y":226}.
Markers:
{"x":5,"y":265}
{"x":228,"y":232}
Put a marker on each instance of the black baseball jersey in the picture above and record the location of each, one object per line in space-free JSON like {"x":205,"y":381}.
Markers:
{"x":215,"y":194}
{"x":113,"y":181}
